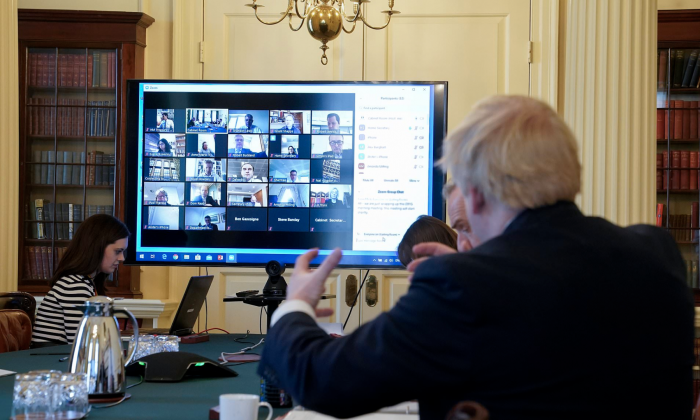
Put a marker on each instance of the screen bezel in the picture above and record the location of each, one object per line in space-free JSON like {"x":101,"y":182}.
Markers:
{"x":132,"y":150}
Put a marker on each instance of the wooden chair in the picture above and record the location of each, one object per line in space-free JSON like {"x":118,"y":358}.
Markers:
{"x":468,"y":410}
{"x":19,"y":300}
{"x":15,"y":330}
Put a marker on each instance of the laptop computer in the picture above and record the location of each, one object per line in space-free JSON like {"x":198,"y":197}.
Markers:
{"x":187,"y":312}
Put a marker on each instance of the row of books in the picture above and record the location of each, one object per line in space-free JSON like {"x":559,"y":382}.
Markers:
{"x":98,"y":69}
{"x":680,"y":122}
{"x":691,"y":274}
{"x":683,"y":227}
{"x":684,"y":68}
{"x":68,"y":119}
{"x":683,"y":178}
{"x":39,"y":261}
{"x":75,"y":173}
{"x":68,"y":214}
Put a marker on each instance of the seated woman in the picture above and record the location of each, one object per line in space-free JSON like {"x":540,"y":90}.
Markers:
{"x":96,"y":250}
{"x":425,"y":229}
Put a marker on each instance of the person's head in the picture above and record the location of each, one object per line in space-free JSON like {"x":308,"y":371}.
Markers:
{"x":336,"y":143}
{"x":204,"y":191}
{"x":207,"y":220}
{"x":163,"y":146}
{"x":289,"y":121}
{"x":334,"y":194}
{"x":509,"y":154}
{"x":293,"y":175}
{"x":98,"y":246}
{"x":247,"y":171}
{"x":164,"y":116}
{"x":425,"y":229}
{"x":466,"y":239}
{"x":290,"y":149}
{"x":208,"y":167}
{"x":239,"y":141}
{"x":333,"y":121}
{"x":161,"y":196}
{"x":248,"y":120}
{"x":204,"y":146}
{"x":253,"y":199}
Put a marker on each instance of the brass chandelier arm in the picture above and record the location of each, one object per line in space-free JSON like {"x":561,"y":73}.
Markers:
{"x":301,"y":23}
{"x":306,"y":9}
{"x":377,"y":27}
{"x":289,"y":9}
{"x":354,"y":18}
{"x":351,"y":30}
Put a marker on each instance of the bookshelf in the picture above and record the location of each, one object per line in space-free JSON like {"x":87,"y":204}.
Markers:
{"x":72,"y":71}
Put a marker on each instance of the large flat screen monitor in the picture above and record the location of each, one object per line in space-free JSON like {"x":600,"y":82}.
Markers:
{"x":224,"y":172}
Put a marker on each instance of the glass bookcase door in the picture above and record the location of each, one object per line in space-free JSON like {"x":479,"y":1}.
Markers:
{"x":678,"y":163}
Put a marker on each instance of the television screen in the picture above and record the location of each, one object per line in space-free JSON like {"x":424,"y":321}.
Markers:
{"x":222,"y":172}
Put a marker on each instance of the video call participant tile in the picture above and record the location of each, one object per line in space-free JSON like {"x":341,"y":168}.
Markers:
{"x":331,"y":171}
{"x":247,"y":170}
{"x":202,"y":120}
{"x":248,"y":121}
{"x":164,"y":120}
{"x":162,"y":217}
{"x":289,"y":195}
{"x":250,"y":194}
{"x":206,"y":169}
{"x":337,"y":220}
{"x":284,"y":121}
{"x":289,"y":146}
{"x":288,"y":220}
{"x":164,"y":145}
{"x":332,"y":122}
{"x":289,"y":171}
{"x":163,"y":169}
{"x":204,"y":194}
{"x":332,"y":146}
{"x":163,"y":193}
{"x":247,"y":145}
{"x":205,"y":218}
{"x":206,"y":145}
{"x":327,"y":196}
{"x":241,"y":219}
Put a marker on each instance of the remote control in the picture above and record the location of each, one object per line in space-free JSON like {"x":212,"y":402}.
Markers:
{"x":244,"y":293}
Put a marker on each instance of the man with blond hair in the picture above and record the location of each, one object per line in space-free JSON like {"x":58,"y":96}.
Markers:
{"x":555,"y":315}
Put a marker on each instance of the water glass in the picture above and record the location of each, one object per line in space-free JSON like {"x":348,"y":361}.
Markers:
{"x":32,"y":396}
{"x":167,"y":343}
{"x":146,"y":346}
{"x":70,"y":396}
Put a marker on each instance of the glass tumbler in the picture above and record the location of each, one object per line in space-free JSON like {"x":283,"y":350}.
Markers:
{"x":167,"y":343}
{"x":32,"y":396}
{"x":70,"y":397}
{"x":146,"y":346}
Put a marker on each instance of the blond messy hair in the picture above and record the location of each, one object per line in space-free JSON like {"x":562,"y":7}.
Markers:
{"x":514,"y":149}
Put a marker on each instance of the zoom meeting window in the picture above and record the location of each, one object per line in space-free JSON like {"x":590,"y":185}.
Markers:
{"x":230,"y":176}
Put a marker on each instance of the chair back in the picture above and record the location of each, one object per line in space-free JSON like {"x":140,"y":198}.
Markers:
{"x":15,"y":330}
{"x":19,"y":300}
{"x":468,"y":410}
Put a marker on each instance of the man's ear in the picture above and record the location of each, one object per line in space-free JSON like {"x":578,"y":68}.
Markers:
{"x":477,"y":200}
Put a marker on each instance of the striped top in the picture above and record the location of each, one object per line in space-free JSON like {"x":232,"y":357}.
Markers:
{"x":57,"y":318}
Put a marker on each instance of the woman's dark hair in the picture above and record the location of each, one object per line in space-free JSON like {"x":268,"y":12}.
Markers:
{"x":86,"y":250}
{"x":425,"y":229}
{"x":168,"y":149}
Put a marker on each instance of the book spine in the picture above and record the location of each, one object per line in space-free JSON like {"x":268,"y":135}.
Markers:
{"x":45,"y":263}
{"x":686,"y":119}
{"x":693,"y":172}
{"x":694,"y":119}
{"x":36,"y":173}
{"x":675,"y":173}
{"x":660,"y":124}
{"x":81,"y":71}
{"x":70,"y":220}
{"x":103,"y":69}
{"x":688,"y":73}
{"x":34,"y":262}
{"x":685,"y":173}
{"x":678,"y":71}
{"x":659,"y":214}
{"x":695,"y":78}
{"x":51,"y":69}
{"x":39,"y":216}
{"x":75,"y":71}
{"x":659,"y":171}
{"x":663,"y":57}
{"x":678,"y":120}
{"x":694,"y":220}
{"x":27,"y":263}
{"x":52,"y":167}
{"x":33,"y":60}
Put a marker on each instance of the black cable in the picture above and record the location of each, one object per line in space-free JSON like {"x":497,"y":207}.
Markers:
{"x":238,"y":340}
{"x":355,"y":301}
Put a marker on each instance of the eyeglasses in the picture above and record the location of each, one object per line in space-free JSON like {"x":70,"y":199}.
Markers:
{"x":336,"y":142}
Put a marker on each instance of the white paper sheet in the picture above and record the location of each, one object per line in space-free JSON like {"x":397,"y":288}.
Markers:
{"x":4,"y":372}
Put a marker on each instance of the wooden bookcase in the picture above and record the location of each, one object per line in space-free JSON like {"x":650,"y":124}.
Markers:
{"x":73,"y":66}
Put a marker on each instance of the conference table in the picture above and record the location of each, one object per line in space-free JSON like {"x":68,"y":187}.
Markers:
{"x":188,"y":399}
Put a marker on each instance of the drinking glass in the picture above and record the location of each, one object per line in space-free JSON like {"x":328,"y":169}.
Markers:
{"x":70,"y":396}
{"x":167,"y":343}
{"x":146,"y":346}
{"x":32,"y":395}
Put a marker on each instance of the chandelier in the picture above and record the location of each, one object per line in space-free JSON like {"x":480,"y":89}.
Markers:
{"x":325,"y":18}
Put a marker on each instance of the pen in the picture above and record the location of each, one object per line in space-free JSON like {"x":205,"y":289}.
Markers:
{"x":49,"y":354}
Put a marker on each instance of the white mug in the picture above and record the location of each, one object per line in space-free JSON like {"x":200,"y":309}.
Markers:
{"x":241,"y":407}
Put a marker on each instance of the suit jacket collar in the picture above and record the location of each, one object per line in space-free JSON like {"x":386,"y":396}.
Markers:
{"x":546,"y":214}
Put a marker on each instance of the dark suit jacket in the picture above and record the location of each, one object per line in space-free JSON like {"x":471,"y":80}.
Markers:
{"x":347,"y":154}
{"x":561,"y":317}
